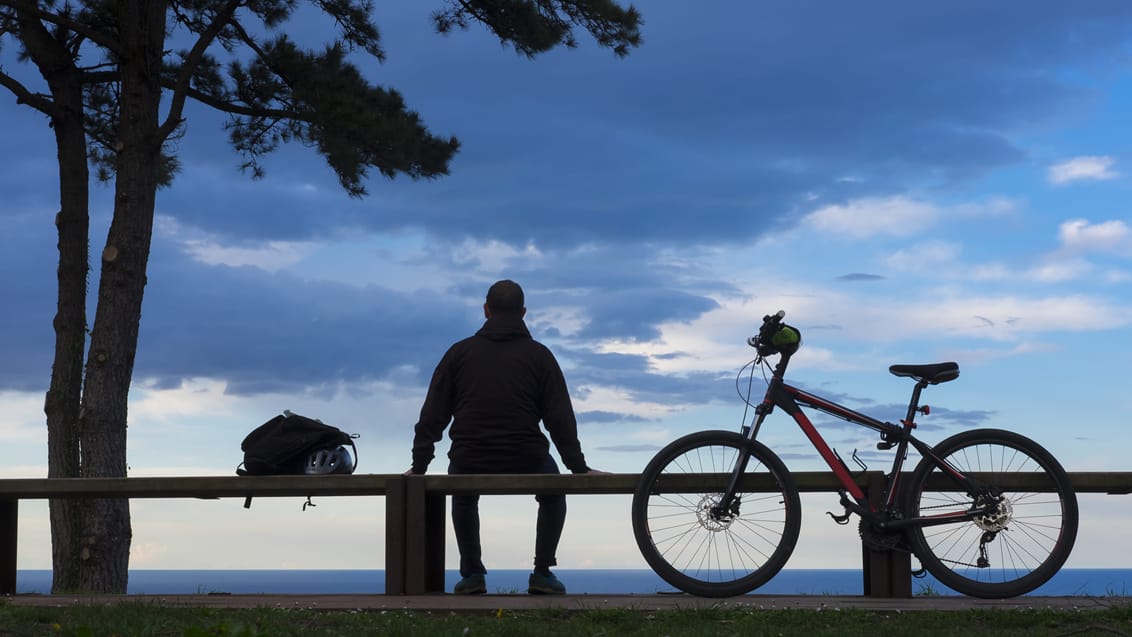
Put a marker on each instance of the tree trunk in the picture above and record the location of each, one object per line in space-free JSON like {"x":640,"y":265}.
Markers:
{"x":104,"y":556}
{"x":62,"y":402}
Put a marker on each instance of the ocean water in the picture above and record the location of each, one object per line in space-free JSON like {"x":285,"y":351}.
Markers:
{"x":1078,"y":582}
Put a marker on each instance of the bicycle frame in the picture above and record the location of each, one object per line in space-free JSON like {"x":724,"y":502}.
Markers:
{"x":791,"y":399}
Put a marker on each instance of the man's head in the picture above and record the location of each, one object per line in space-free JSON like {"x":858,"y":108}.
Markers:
{"x":504,"y":298}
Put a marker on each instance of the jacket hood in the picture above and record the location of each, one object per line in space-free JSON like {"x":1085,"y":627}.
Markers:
{"x":504,"y":328}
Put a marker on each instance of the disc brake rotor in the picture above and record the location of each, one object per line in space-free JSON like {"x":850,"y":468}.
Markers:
{"x":997,"y":520}
{"x":709,"y":516}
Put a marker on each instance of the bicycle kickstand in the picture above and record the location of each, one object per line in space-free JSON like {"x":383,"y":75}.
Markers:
{"x":840,"y":519}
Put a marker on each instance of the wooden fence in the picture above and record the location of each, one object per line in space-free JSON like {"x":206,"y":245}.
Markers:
{"x":415,"y":514}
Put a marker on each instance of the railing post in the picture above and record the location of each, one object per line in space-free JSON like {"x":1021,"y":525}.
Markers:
{"x":887,"y":573}
{"x":9,"y":523}
{"x":395,"y":550}
{"x":424,"y":538}
{"x":434,"y":538}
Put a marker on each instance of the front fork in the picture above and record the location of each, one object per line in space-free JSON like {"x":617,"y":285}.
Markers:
{"x":725,"y":508}
{"x":728,"y":503}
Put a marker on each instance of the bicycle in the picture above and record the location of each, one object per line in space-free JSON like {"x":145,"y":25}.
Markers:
{"x":988,"y":512}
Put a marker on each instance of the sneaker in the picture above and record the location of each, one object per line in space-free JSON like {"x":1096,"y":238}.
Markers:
{"x":546,"y":584}
{"x":471,"y":585}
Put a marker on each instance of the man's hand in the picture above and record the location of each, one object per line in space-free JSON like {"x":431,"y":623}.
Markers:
{"x":410,"y":473}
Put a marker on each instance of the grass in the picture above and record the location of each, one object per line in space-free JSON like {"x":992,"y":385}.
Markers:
{"x":141,"y":619}
{"x":927,"y":590}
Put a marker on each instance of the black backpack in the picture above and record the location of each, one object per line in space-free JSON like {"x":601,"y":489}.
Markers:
{"x":282,"y":445}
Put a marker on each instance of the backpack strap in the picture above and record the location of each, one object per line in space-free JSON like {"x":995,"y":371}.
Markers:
{"x":355,"y":449}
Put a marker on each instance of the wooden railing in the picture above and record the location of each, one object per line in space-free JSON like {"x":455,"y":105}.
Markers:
{"x":415,"y":515}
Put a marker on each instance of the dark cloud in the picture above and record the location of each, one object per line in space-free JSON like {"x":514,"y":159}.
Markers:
{"x":607,"y":417}
{"x":632,"y":375}
{"x":27,"y":281}
{"x":276,"y":332}
{"x":860,"y":276}
{"x":633,"y":312}
{"x":725,"y":123}
{"x":29,"y":183}
{"x":265,"y":332}
{"x":962,"y":419}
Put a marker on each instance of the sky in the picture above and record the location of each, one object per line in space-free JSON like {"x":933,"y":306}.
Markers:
{"x":909,"y":182}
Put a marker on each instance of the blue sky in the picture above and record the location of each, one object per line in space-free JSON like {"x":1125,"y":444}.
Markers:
{"x":910,"y":183}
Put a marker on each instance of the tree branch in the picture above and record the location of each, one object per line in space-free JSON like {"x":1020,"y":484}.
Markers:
{"x":248,"y":40}
{"x":188,"y":67}
{"x":32,"y":9}
{"x":353,"y":20}
{"x":24,"y":96}
{"x":238,"y":109}
{"x":47,"y":53}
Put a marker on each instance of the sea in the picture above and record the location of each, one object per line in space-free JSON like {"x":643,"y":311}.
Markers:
{"x":1068,"y":582}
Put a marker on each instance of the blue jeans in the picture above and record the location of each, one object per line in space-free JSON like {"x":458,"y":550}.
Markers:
{"x":548,"y":528}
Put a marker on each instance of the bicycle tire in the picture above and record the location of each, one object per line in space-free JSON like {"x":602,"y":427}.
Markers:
{"x":1034,"y":531}
{"x":707,"y":556}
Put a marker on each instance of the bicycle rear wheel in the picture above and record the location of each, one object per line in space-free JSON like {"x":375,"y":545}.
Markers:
{"x":1022,"y":543}
{"x":696,"y":547}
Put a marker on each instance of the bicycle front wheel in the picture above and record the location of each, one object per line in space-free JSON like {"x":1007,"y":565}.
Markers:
{"x":698,"y":546}
{"x":1017,"y":546}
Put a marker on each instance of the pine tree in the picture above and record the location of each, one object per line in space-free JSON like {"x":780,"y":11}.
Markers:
{"x":109,"y":73}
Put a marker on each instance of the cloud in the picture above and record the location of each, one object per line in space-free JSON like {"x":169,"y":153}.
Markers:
{"x":860,"y":276}
{"x":627,"y":151}
{"x":1078,"y":235}
{"x":264,"y":331}
{"x":607,"y":417}
{"x":862,"y":218}
{"x":267,"y":332}
{"x":1094,"y":168}
{"x":927,"y":255}
{"x":896,"y":216}
{"x":1058,"y":270}
{"x":629,"y":448}
{"x":611,"y":188}
{"x":270,"y":255}
{"x":27,"y":279}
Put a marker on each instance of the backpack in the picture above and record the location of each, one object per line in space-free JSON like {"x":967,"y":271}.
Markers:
{"x":282,"y":445}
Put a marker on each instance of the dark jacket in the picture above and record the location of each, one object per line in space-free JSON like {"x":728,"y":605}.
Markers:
{"x":494,"y":388}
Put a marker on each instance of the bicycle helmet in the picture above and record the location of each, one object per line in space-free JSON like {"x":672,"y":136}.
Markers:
{"x":785,"y":339}
{"x":329,"y":461}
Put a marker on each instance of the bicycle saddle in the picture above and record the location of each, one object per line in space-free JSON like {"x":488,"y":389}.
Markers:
{"x":934,"y":374}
